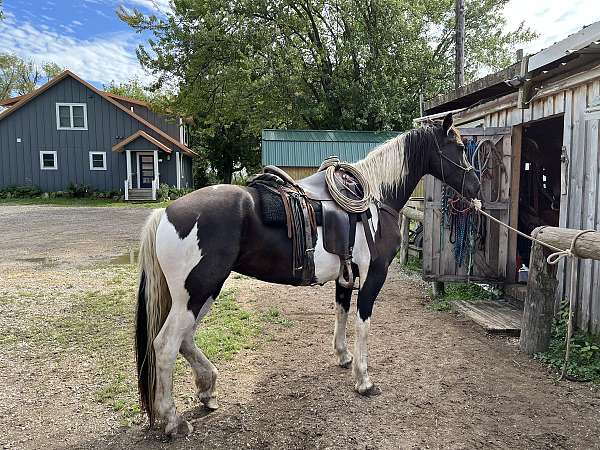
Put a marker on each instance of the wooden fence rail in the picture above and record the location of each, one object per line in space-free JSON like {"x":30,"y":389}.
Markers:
{"x":407,"y":214}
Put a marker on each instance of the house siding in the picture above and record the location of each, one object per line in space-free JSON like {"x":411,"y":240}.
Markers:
{"x":35,"y":124}
{"x":169,"y":125}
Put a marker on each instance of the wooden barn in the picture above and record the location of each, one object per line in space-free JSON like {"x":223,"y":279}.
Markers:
{"x":539,"y":119}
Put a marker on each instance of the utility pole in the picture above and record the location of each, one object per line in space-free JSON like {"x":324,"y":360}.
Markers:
{"x":459,"y":68}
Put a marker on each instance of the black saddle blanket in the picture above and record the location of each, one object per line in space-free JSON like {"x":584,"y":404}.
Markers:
{"x":273,"y":212}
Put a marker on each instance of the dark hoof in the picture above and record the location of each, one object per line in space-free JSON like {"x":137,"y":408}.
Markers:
{"x":183,"y":428}
{"x":373,"y":391}
{"x":346,"y":365}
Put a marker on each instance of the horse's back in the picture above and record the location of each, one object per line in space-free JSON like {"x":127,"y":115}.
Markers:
{"x":211,"y":208}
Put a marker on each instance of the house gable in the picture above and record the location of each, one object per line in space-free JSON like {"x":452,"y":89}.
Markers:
{"x":30,"y":126}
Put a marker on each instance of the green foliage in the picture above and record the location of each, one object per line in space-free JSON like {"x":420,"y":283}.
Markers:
{"x":244,"y":65}
{"x":133,"y":88}
{"x":227,"y":329}
{"x":20,"y":192}
{"x":584,"y":360}
{"x":460,"y":291}
{"x":19,"y":76}
{"x":166,"y":192}
{"x":272,"y":315}
{"x":78,"y":190}
{"x":413,"y":265}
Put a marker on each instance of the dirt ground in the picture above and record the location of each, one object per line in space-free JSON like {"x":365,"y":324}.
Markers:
{"x":445,"y":383}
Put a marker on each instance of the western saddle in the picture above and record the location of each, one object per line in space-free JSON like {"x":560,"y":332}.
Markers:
{"x":309,"y":203}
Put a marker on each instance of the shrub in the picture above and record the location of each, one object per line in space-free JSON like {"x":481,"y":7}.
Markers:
{"x":20,"y":192}
{"x":584,"y":361}
{"x":78,"y":190}
{"x":166,"y":192}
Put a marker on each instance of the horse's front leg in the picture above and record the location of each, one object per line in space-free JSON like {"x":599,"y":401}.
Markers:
{"x":342,"y":306}
{"x":366,"y":298}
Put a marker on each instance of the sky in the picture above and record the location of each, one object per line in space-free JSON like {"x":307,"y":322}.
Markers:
{"x":86,"y":36}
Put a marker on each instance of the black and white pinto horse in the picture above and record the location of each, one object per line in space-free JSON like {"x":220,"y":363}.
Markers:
{"x":188,"y":251}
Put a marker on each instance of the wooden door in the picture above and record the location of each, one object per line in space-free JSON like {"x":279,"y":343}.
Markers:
{"x":146,"y":165}
{"x":488,"y":264}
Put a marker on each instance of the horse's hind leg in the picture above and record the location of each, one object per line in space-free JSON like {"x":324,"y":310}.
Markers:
{"x":205,"y":373}
{"x":179,"y":323}
{"x":342,"y":306}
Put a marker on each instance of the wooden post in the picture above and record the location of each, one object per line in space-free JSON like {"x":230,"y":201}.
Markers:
{"x":459,"y":78}
{"x":438,"y":289}
{"x":404,"y":225}
{"x":536,"y":324}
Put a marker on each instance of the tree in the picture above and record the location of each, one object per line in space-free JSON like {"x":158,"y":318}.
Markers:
{"x":133,"y":88}
{"x":1,"y":13}
{"x":20,"y":77}
{"x":347,"y":64}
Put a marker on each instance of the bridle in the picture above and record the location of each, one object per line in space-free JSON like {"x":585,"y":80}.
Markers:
{"x":444,"y":157}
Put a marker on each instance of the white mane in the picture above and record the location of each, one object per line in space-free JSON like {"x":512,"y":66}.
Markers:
{"x":385,"y":167}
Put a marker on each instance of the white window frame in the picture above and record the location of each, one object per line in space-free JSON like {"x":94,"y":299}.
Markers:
{"x":92,"y":160}
{"x":48,"y":152}
{"x":70,"y":105}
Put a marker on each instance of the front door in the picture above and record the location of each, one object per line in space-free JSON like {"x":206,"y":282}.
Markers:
{"x":146,"y":165}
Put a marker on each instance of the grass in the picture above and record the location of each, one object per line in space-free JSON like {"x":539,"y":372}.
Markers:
{"x":75,"y":202}
{"x":413,"y":265}
{"x":227,"y":329}
{"x":584,"y":360}
{"x":459,"y":291}
{"x":272,"y":315}
{"x":93,"y":328}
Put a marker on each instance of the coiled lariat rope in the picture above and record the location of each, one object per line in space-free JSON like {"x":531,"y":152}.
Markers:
{"x":356,"y":206}
{"x":552,"y":259}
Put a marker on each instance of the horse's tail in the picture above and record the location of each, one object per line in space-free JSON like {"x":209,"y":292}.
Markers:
{"x":153,"y":305}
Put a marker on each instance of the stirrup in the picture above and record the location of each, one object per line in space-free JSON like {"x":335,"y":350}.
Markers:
{"x":346,"y":266}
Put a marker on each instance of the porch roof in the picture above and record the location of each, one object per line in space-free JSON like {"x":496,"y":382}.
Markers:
{"x":141,"y":135}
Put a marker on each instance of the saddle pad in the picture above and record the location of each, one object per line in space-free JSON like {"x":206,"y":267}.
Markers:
{"x":272,"y":210}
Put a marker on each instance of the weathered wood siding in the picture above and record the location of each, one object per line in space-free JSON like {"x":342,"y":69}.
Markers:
{"x":490,"y":263}
{"x":580,"y":199}
{"x":35,"y":125}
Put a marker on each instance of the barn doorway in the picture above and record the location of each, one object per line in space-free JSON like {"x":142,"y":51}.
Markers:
{"x":540,"y":184}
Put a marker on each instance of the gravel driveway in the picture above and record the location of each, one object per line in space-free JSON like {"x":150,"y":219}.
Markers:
{"x":67,"y":235}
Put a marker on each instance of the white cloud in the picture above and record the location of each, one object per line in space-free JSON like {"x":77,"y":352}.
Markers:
{"x":76,"y":23}
{"x":162,"y":5}
{"x":553,"y":20}
{"x":100,"y":59}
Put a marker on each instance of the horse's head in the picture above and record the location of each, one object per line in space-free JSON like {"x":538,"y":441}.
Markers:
{"x":448,"y":161}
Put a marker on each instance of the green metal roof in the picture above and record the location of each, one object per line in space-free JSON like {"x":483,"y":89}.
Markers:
{"x":308,"y":148}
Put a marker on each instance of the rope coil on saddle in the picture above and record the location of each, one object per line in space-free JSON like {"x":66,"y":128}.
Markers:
{"x":357,"y":206}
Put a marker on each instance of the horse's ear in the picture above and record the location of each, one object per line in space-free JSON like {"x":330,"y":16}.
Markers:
{"x":447,"y":123}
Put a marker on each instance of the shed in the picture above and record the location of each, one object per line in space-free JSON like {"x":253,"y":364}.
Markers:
{"x":542,"y":113}
{"x":301,"y":152}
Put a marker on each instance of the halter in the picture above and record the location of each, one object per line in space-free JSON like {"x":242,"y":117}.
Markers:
{"x":442,"y":157}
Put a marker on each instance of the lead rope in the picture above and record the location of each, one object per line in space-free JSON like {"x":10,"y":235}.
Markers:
{"x":552,"y":259}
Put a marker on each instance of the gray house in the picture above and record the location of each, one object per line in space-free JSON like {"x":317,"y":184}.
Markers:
{"x":67,"y":131}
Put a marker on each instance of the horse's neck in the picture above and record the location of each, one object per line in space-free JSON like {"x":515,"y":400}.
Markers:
{"x":397,"y":198}
{"x":413,"y":169}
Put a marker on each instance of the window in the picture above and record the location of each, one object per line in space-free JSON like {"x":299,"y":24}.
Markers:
{"x":71,"y":116}
{"x":48,"y":160}
{"x":97,"y":160}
